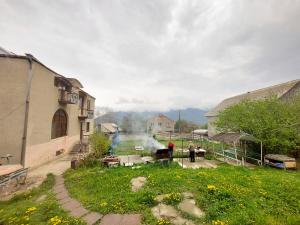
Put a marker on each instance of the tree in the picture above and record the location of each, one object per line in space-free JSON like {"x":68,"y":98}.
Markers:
{"x":185,"y":126}
{"x":275,"y":122}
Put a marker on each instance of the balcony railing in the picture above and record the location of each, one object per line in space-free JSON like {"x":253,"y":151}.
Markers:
{"x":68,"y":97}
{"x":85,"y":114}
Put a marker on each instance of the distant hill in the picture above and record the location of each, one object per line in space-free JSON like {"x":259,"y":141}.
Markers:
{"x":190,"y":114}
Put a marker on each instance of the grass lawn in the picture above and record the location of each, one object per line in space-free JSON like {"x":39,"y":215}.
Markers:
{"x":234,"y":195}
{"x":127,"y":148}
{"x":24,"y":208}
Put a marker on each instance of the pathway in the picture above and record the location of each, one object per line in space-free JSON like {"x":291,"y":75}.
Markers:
{"x":77,"y":210}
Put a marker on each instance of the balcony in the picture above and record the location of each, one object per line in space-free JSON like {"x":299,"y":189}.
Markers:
{"x":68,"y":97}
{"x":85,"y":114}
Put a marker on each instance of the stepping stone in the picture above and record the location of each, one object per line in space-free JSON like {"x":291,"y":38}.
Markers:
{"x":118,"y":219}
{"x":59,"y":180}
{"x":59,"y":188}
{"x":71,"y":205}
{"x":65,"y":200}
{"x":181,"y":221}
{"x":111,"y":219}
{"x":131,"y":219}
{"x":164,"y":211}
{"x":92,"y":217}
{"x":78,"y":212}
{"x":187,"y":195}
{"x":137,"y":183}
{"x":62,"y":195}
{"x":189,"y":206}
{"x":160,"y":198}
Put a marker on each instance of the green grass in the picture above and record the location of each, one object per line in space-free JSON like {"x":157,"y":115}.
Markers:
{"x":208,"y":145}
{"x":239,"y":195}
{"x":24,"y":209}
{"x":127,"y":148}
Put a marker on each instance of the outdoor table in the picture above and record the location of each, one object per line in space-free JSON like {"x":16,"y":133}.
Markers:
{"x":200,"y":153}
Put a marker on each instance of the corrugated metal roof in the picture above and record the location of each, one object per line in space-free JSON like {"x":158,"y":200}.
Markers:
{"x":278,"y":90}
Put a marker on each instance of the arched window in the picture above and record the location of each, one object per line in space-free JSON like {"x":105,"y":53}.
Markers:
{"x":59,"y":124}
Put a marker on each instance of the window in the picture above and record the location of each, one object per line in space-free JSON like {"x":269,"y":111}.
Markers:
{"x":59,"y":124}
{"x":87,"y":127}
{"x":88,"y":104}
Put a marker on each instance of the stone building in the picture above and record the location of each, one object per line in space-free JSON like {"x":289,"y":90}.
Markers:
{"x":43,"y":114}
{"x":282,"y":91}
{"x":160,"y":124}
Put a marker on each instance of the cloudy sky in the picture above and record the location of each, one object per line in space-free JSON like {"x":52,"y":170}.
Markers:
{"x":159,"y":54}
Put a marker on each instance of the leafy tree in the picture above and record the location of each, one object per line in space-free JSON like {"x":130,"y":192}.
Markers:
{"x":100,"y":144}
{"x":185,"y":126}
{"x":204,"y":126}
{"x":275,"y":122}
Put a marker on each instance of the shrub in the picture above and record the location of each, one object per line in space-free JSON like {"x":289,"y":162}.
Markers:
{"x":100,"y":144}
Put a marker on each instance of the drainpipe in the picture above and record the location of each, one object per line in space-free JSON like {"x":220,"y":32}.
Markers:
{"x":28,"y":87}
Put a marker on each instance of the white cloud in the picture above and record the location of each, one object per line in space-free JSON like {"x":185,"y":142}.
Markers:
{"x":157,"y":55}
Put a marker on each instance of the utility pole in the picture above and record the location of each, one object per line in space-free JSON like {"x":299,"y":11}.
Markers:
{"x":179,"y":127}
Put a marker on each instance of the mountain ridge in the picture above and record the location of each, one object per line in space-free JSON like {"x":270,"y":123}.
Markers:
{"x":194,"y":115}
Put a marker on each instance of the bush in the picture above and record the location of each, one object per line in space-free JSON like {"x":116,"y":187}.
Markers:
{"x":100,"y":144}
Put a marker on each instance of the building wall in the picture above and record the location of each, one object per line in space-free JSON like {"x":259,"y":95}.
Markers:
{"x":44,"y":96}
{"x":13,"y":80}
{"x":160,"y":124}
{"x":44,"y":103}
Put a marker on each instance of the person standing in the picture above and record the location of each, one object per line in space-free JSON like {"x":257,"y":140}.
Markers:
{"x":192,"y":151}
{"x":170,"y":150}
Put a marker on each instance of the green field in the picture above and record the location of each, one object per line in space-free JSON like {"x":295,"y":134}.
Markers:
{"x":241,"y":196}
{"x":27,"y":209}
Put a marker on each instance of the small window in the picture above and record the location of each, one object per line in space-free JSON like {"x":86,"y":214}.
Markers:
{"x":87,"y":127}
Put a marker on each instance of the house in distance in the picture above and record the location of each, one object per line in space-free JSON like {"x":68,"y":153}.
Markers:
{"x":160,"y":124}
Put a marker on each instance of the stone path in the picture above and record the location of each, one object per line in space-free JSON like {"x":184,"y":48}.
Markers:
{"x":77,"y":210}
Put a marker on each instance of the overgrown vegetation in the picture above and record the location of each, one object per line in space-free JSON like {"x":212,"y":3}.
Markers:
{"x":185,"y":126}
{"x":32,"y":208}
{"x":100,"y":144}
{"x":231,"y":195}
{"x":275,"y":122}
